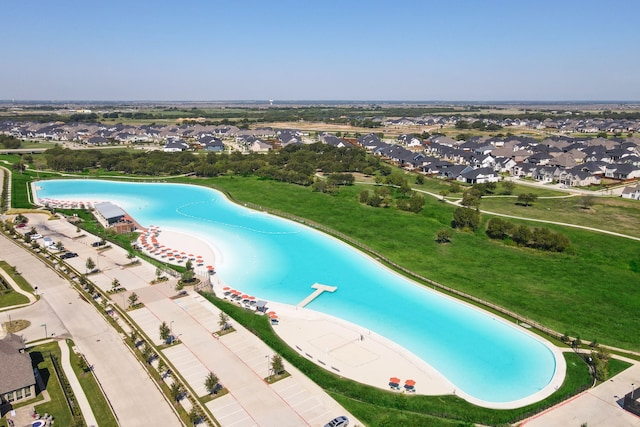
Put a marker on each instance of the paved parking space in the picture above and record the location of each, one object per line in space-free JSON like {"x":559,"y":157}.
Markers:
{"x":190,"y":368}
{"x":148,"y":322}
{"x":230,"y":413}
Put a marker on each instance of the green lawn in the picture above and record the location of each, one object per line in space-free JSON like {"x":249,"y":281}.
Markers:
{"x":58,"y":405}
{"x":612,"y":214}
{"x":11,"y":297}
{"x":592,"y":277}
{"x":97,"y":401}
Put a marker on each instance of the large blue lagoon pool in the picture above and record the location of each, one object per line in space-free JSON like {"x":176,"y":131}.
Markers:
{"x":279,"y":260}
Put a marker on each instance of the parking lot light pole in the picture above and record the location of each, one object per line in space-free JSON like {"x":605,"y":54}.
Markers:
{"x":171,"y":331}
{"x":45,"y":330}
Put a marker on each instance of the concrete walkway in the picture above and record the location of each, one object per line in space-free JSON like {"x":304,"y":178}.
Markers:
{"x":134,"y":397}
{"x":8,"y":279}
{"x":81,"y":398}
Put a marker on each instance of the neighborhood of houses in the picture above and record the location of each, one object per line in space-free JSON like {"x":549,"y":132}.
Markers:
{"x":560,"y":158}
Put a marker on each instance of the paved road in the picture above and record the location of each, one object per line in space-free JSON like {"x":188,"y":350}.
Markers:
{"x":133,"y":395}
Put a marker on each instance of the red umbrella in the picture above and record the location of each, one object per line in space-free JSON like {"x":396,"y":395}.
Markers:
{"x":410,"y":383}
{"x":394,"y":380}
{"x":245,"y":296}
{"x":189,"y":254}
{"x":226,"y":288}
{"x":182,"y":253}
{"x":251,"y":297}
{"x":271,"y":312}
{"x":209,"y":267}
{"x":273,"y":316}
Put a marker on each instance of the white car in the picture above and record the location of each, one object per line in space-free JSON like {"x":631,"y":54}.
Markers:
{"x":35,"y":236}
{"x":341,"y":421}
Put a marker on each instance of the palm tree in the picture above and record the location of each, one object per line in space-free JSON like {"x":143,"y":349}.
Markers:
{"x":115,"y":284}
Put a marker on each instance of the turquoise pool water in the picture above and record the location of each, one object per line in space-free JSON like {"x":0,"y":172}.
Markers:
{"x":279,"y":260}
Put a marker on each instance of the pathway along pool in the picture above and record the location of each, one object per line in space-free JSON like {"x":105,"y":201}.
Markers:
{"x":279,"y":260}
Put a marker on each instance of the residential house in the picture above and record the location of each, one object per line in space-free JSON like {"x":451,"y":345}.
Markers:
{"x":175,"y":145}
{"x":622,"y":171}
{"x":631,"y":192}
{"x":479,"y":176}
{"x":17,"y":377}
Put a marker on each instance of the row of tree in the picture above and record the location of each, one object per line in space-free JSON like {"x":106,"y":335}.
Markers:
{"x":294,"y":163}
{"x":538,"y":237}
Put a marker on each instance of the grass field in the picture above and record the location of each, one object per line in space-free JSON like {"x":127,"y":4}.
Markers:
{"x":584,"y":291}
{"x":608,"y":213}
{"x":97,"y":401}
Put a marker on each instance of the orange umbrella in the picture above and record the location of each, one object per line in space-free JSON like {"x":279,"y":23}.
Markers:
{"x":226,"y":288}
{"x":394,"y":380}
{"x":273,"y":315}
{"x":410,"y":383}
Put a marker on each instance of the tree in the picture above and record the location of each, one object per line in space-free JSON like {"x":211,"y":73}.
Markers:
{"x":277,"y":365}
{"x":497,"y":228}
{"x":444,"y":193}
{"x":211,"y":383}
{"x":134,"y":337}
{"x":90,"y":265}
{"x":586,"y":201}
{"x":188,"y":265}
{"x":443,"y":235}
{"x":175,"y":391}
{"x":466,"y":218}
{"x":508,"y":187}
{"x":82,"y":364}
{"x":522,"y":235}
{"x":59,"y":246}
{"x":470,"y":199}
{"x":223,"y":321}
{"x":133,"y":299}
{"x":187,"y":276}
{"x":147,"y":353}
{"x":165,"y":332}
{"x":527,"y":199}
{"x":193,"y":415}
{"x":162,"y":368}
{"x":158,"y":273}
{"x":419,"y":179}
{"x":115,"y":284}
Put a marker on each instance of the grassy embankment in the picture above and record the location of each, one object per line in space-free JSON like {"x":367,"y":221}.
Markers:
{"x":9,"y":297}
{"x":591,"y":277}
{"x":378,"y":407}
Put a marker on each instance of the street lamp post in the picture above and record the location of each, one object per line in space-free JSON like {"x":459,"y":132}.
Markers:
{"x":171,"y":331}
{"x":45,"y":330}
{"x":268,"y":367}
{"x":633,"y":389}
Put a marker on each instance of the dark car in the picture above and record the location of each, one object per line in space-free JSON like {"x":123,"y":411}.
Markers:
{"x":68,"y":255}
{"x":341,"y":421}
{"x":98,"y":243}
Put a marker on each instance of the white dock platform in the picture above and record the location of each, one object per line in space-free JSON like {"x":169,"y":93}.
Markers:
{"x":319,"y":288}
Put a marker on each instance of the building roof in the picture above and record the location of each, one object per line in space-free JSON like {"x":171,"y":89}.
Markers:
{"x":16,"y":371}
{"x":109,"y":211}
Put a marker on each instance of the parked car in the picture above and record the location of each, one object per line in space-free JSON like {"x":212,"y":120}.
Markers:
{"x":341,"y":421}
{"x":21,"y":225}
{"x":35,"y":236}
{"x":68,"y":255}
{"x":98,"y":243}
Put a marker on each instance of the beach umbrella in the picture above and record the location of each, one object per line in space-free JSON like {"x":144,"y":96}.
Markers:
{"x":273,"y":315}
{"x":409,"y":383}
{"x":251,"y":297}
{"x":245,"y":296}
{"x":209,"y":267}
{"x":226,"y":288}
{"x":394,"y":380}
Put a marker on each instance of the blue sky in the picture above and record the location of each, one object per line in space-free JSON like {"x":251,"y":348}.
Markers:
{"x":422,"y":50}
